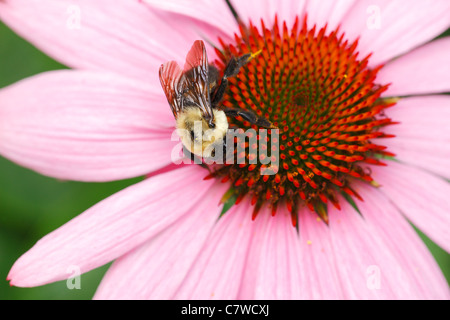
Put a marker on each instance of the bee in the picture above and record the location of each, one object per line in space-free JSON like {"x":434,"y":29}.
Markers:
{"x":194,"y":95}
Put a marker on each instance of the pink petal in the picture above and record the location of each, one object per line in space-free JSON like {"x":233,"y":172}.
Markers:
{"x":214,"y":13}
{"x":284,"y":264}
{"x":218,"y":269}
{"x":85,"y":126}
{"x":112,"y":227}
{"x":126,"y":38}
{"x":379,"y":255}
{"x":332,"y":13}
{"x":156,"y":269}
{"x":339,"y":261}
{"x":423,"y":71}
{"x":423,"y":198}
{"x":391,"y":28}
{"x":273,"y":269}
{"x":219,"y":15}
{"x":255,"y":10}
{"x":423,"y":135}
{"x":320,"y":279}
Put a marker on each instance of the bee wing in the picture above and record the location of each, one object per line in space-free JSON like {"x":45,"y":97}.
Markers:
{"x":196,"y":57}
{"x":196,"y":72}
{"x":170,"y":76}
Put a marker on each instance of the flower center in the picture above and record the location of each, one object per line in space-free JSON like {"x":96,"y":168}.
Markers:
{"x":327,"y":109}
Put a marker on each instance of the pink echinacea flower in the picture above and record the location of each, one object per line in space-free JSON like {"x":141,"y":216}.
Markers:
{"x":356,"y":91}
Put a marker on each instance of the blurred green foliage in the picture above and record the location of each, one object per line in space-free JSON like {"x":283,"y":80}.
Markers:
{"x":32,"y":205}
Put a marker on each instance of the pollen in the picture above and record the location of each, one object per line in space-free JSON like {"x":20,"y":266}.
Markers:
{"x":326,"y":105}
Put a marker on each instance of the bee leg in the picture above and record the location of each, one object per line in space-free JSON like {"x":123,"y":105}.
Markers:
{"x":188,"y":154}
{"x":232,"y":69}
{"x":195,"y":159}
{"x":213,"y":76}
{"x":228,"y":152}
{"x":235,"y":64}
{"x":220,"y":91}
{"x":250,"y":117}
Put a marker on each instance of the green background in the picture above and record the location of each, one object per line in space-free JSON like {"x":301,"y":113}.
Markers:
{"x":32,"y":205}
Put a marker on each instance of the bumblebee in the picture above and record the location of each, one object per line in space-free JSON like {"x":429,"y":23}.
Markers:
{"x":194,"y":95}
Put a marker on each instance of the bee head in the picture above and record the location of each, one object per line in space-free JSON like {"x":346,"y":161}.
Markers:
{"x":198,"y":135}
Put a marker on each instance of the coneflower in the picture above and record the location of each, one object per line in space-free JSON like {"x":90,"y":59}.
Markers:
{"x":363,"y":147}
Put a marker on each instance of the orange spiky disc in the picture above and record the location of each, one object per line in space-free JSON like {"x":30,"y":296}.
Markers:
{"x":324,"y":102}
